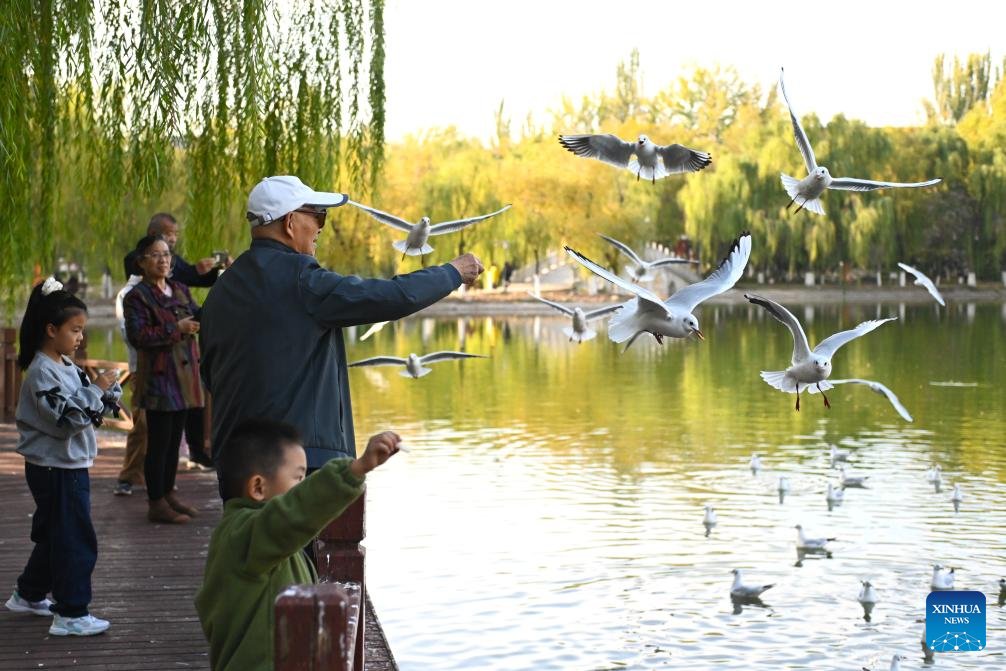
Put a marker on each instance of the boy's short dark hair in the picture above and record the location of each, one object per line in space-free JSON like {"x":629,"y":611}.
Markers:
{"x":256,"y":446}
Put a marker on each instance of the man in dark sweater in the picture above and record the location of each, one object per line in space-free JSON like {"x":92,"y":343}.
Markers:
{"x":271,"y":327}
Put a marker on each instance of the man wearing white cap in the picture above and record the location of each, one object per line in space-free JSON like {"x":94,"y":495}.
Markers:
{"x":271,"y":327}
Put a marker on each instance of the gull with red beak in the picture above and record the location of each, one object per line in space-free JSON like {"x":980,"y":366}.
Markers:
{"x":810,"y":368}
{"x":652,"y":161}
{"x":671,"y":318}
{"x":807,"y":192}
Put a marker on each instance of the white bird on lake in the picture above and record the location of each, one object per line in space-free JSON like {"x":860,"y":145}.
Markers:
{"x":838,"y":455}
{"x":957,"y":498}
{"x":579,"y":331}
{"x":867,"y":595}
{"x":415,"y":365}
{"x":652,"y":161}
{"x":672,"y":318}
{"x":895,"y":663}
{"x":805,"y":543}
{"x":374,"y":328}
{"x":415,"y":244}
{"x":879,"y":388}
{"x":934,"y":473}
{"x":709,"y":519}
{"x":783,"y":485}
{"x":809,"y":190}
{"x":741,"y":591}
{"x":927,"y":652}
{"x":642,"y":271}
{"x":942,"y":580}
{"x":923,"y":281}
{"x":853,"y":480}
{"x":834,"y":495}
{"x":810,"y":368}
{"x":755,"y":464}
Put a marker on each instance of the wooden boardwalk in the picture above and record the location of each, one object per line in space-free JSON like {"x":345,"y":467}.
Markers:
{"x":144,"y":583}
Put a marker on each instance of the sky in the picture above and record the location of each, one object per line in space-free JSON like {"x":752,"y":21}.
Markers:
{"x":451,"y":62}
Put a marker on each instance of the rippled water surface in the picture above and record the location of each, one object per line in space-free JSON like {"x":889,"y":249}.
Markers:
{"x":549,"y":515}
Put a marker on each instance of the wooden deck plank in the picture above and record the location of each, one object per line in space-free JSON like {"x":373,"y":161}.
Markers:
{"x":144,"y":582}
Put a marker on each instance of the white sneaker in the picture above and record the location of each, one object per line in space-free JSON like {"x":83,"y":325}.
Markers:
{"x":17,"y":604}
{"x":87,"y":625}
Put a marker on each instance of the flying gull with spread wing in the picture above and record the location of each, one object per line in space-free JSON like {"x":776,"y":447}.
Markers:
{"x":652,"y":161}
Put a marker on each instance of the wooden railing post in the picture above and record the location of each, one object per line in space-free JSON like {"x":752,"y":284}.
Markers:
{"x":342,"y":559}
{"x":10,"y":382}
{"x":316,"y":627}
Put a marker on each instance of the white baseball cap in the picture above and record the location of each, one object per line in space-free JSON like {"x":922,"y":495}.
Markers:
{"x":274,"y":197}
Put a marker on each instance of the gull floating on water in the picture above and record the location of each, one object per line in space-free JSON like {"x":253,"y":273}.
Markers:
{"x":838,"y":455}
{"x":672,"y":318}
{"x":922,"y":281}
{"x":755,"y":463}
{"x":804,"y":543}
{"x":834,"y":495}
{"x":853,"y":480}
{"x":957,"y":498}
{"x":942,"y":580}
{"x":415,"y":365}
{"x":641,"y":271}
{"x":879,"y":388}
{"x":895,"y":663}
{"x":927,"y":652}
{"x":934,"y":473}
{"x":783,"y":487}
{"x":808,"y":191}
{"x":867,"y":599}
{"x":709,"y":519}
{"x":652,"y":161}
{"x":741,"y":591}
{"x":415,"y":244}
{"x":810,"y":368}
{"x":579,"y":331}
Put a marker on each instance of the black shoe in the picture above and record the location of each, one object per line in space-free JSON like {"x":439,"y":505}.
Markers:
{"x":202,"y":460}
{"x":123,"y":488}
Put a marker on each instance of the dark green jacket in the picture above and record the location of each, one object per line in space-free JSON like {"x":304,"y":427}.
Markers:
{"x":255,"y":553}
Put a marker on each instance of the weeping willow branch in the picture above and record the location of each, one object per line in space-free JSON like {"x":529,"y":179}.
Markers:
{"x":115,"y":109}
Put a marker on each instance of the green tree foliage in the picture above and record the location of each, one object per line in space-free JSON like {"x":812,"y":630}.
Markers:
{"x":117,"y":109}
{"x":953,"y":228}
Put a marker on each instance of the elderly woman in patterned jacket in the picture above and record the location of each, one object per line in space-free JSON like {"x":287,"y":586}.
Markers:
{"x":161,"y":323}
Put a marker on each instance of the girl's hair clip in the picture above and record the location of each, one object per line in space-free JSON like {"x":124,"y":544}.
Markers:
{"x":51,"y":284}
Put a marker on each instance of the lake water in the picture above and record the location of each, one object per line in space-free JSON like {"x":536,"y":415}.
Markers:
{"x":549,"y":515}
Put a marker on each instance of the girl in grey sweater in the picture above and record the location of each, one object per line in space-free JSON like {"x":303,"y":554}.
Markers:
{"x":57,"y":411}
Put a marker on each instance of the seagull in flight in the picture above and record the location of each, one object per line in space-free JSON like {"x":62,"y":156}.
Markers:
{"x":878,"y":388}
{"x":808,"y":190}
{"x":741,"y":591}
{"x":922,"y":281}
{"x":671,"y":318}
{"x":652,"y":161}
{"x":374,"y":328}
{"x":642,"y":270}
{"x":810,"y":368}
{"x":415,"y":243}
{"x":579,"y":331}
{"x":415,"y":366}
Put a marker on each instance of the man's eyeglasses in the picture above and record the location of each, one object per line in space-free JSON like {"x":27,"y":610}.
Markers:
{"x":318,"y":214}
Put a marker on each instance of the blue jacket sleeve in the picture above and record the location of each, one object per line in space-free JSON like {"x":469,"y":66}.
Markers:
{"x":186,"y":273}
{"x":335,"y":300}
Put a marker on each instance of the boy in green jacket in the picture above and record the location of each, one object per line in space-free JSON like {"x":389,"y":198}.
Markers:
{"x":256,"y":550}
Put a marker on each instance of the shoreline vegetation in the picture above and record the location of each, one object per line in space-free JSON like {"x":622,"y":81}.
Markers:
{"x":516,"y":303}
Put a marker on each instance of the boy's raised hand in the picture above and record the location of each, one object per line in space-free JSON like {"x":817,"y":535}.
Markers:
{"x":380,"y":448}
